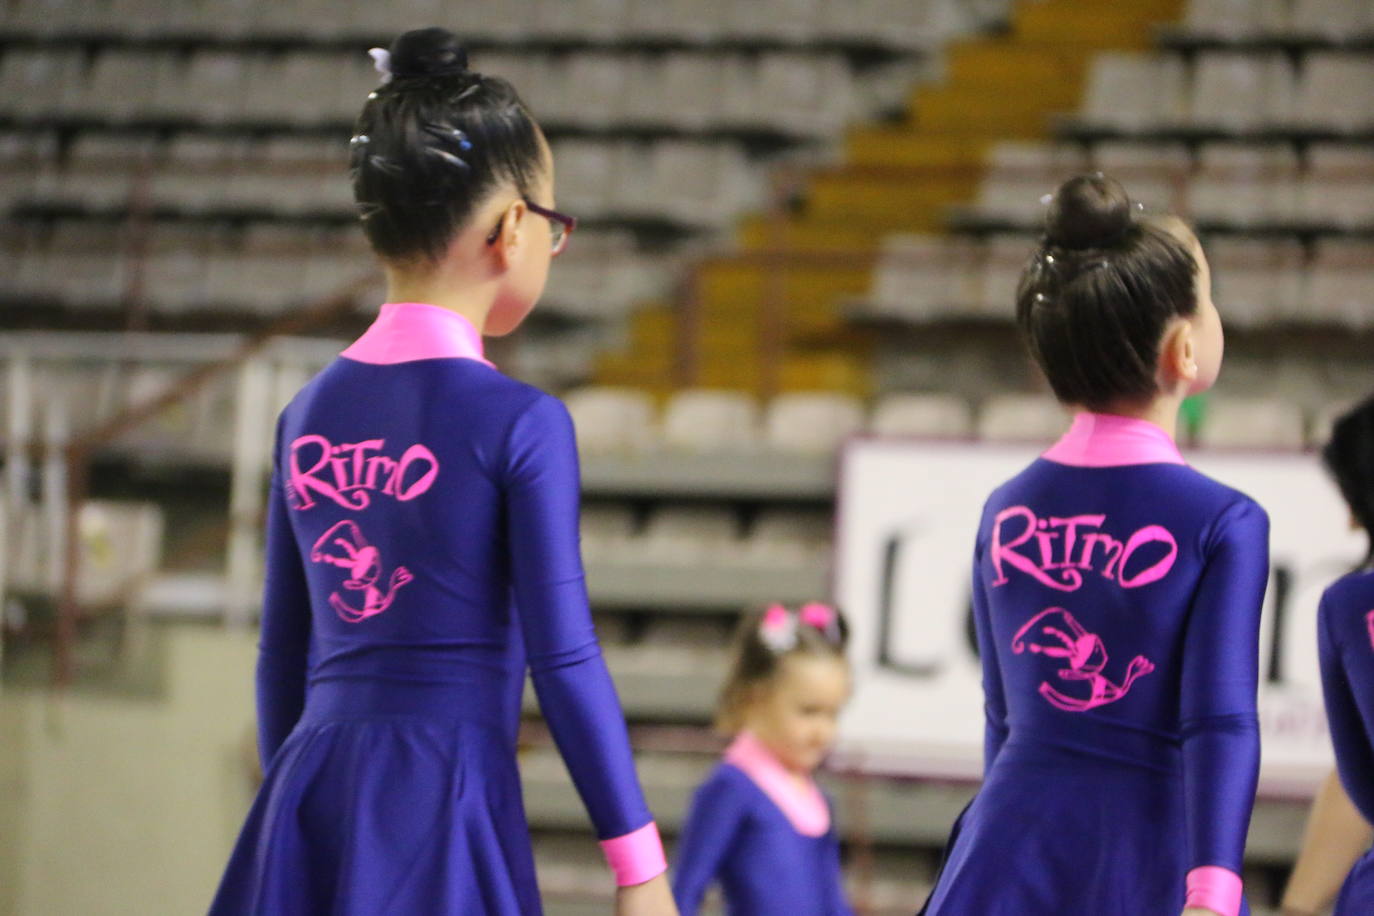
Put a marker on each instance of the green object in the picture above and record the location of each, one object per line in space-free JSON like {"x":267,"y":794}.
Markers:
{"x":1192,"y":414}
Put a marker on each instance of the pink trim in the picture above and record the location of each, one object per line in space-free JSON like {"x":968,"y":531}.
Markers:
{"x":1099,"y":440}
{"x":1214,"y":888}
{"x":637,"y":856}
{"x":801,"y":802}
{"x":407,"y":331}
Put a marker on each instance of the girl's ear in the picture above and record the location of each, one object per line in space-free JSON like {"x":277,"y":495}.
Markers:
{"x":1178,"y":355}
{"x":511,"y":236}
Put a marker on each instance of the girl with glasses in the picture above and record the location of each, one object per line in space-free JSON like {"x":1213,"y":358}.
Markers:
{"x":422,"y":550}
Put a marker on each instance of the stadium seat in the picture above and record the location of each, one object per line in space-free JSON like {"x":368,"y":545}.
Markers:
{"x":812,"y":422}
{"x":1022,"y":418}
{"x":929,"y":415}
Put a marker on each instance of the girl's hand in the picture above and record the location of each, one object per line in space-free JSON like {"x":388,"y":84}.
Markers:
{"x":652,"y":898}
{"x":1200,"y":911}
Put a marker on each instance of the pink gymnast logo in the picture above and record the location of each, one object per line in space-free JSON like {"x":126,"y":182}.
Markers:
{"x":1085,"y":657}
{"x":1066,"y":547}
{"x":344,"y":546}
{"x":1369,"y":626}
{"x":349,"y":474}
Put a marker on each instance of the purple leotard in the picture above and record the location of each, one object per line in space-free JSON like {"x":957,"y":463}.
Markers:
{"x":1117,"y":597}
{"x":1345,"y":644}
{"x":768,"y":840}
{"x":422,"y":553}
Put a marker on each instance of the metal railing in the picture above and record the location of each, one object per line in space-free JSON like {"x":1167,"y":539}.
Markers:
{"x":267,"y":368}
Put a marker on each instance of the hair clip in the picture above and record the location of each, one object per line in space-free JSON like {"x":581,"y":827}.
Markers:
{"x":449,"y":158}
{"x":1047,"y":199}
{"x":1041,"y":298}
{"x":822,"y":617}
{"x":360,"y":140}
{"x":778,"y":630}
{"x":381,"y":62}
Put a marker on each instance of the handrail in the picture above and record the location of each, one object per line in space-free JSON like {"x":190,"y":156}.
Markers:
{"x":76,"y":455}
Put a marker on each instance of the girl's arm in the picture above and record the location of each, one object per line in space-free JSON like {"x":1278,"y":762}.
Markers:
{"x":839,"y":905}
{"x":1348,"y":710}
{"x":1218,"y":719}
{"x":713,"y":821}
{"x":285,"y":635}
{"x":570,"y":677}
{"x":1335,"y":837}
{"x":994,"y":700}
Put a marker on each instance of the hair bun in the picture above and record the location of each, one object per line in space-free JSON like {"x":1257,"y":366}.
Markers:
{"x":1089,"y":211}
{"x":428,"y":52}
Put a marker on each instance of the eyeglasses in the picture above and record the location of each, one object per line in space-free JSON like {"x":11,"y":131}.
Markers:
{"x":560,"y":224}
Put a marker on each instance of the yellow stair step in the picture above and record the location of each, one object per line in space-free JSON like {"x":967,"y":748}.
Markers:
{"x":804,"y":235}
{"x":911,"y":146}
{"x":1015,"y":113}
{"x":1009,"y":62}
{"x":1101,"y":24}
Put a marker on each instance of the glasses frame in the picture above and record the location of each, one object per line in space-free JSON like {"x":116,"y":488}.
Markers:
{"x":569,"y":223}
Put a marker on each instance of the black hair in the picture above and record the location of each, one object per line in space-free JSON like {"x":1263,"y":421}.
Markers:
{"x":759,"y":652}
{"x":1097,"y":295}
{"x":1349,"y":458}
{"x":431,"y":141}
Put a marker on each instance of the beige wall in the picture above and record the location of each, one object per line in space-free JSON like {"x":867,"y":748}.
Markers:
{"x":116,"y":804}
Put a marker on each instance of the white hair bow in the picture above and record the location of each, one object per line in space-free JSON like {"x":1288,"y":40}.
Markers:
{"x":381,"y":59}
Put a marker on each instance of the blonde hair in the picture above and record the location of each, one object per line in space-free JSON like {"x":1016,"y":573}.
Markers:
{"x":761,"y":643}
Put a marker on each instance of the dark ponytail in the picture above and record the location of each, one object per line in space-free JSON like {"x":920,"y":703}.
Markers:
{"x":1096,"y":297}
{"x":431,"y":141}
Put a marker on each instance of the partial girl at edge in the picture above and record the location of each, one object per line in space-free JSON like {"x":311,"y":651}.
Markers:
{"x":1336,"y":860}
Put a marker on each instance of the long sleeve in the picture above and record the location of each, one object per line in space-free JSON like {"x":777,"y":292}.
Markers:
{"x":1218,"y":720}
{"x":284,"y":641}
{"x":575,"y":691}
{"x":839,"y":906}
{"x":713,"y":820}
{"x":994,"y":699}
{"x":1347,"y":718}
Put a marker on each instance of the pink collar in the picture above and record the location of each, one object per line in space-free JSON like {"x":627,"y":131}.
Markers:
{"x":406,"y":331}
{"x":1100,"y":440}
{"x":803,"y":804}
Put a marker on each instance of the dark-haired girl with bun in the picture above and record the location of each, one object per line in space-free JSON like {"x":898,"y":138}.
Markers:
{"x":1345,"y":647}
{"x":422,"y":550}
{"x":760,"y":826}
{"x":1116,"y":596}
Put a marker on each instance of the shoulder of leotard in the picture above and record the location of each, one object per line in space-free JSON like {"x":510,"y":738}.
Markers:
{"x":1353,"y":590}
{"x":726,"y":781}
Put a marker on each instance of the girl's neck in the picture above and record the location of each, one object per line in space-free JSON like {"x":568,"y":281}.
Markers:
{"x":751,"y":738}
{"x":464,"y":298}
{"x":1162,"y":411}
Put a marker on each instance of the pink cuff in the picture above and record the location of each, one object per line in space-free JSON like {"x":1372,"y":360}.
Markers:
{"x":636,"y":857}
{"x":1214,"y":888}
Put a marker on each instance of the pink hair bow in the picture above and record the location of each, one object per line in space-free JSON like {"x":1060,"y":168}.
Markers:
{"x":820,"y":616}
{"x":778,"y":629}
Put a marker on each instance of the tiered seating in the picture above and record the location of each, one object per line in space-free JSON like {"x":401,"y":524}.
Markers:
{"x":1231,"y":93}
{"x":619,"y":422}
{"x":178,"y":163}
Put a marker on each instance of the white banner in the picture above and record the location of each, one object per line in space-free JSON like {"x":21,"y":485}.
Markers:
{"x":908,"y":516}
